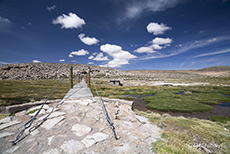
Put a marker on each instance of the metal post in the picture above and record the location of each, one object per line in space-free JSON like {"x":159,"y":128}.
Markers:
{"x":71,"y":76}
{"x":88,"y":78}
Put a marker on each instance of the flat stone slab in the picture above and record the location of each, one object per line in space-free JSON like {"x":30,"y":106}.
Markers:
{"x":93,"y":139}
{"x":9,"y":124}
{"x":33,"y":133}
{"x":52,"y":122}
{"x":81,"y":102}
{"x":5,"y":134}
{"x":51,"y":151}
{"x":142,"y":120}
{"x":17,"y":108}
{"x":88,"y":142}
{"x":5,"y":120}
{"x":51,"y":109}
{"x":52,"y":115}
{"x":11,"y":150}
{"x":81,"y":130}
{"x":72,"y":146}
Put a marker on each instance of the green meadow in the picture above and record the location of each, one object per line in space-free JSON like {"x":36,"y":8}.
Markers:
{"x":22,"y":91}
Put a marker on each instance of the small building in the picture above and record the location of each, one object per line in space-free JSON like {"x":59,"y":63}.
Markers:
{"x":115,"y":82}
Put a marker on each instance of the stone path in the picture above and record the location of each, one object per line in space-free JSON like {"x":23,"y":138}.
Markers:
{"x":79,"y":126}
{"x":78,"y":91}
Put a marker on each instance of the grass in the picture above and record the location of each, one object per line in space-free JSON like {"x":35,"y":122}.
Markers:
{"x":22,"y":91}
{"x":221,"y":119}
{"x":2,"y":115}
{"x":182,"y":135}
{"x":119,"y":91}
{"x":33,"y":111}
{"x":195,"y":99}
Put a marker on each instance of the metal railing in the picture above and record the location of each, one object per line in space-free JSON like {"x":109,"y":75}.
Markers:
{"x":30,"y":122}
{"x":109,"y":122}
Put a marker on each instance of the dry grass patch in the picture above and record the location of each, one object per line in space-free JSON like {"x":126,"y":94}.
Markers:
{"x":184,"y":135}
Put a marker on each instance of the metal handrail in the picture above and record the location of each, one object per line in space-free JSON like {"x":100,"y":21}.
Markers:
{"x":30,"y":122}
{"x":105,"y":113}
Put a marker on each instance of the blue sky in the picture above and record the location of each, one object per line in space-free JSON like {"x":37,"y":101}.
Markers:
{"x":128,"y":35}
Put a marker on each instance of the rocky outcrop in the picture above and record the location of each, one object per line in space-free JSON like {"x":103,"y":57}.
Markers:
{"x":37,"y":71}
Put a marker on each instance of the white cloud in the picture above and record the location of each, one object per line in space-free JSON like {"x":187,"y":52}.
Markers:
{"x":94,"y":53}
{"x":148,"y":49}
{"x":91,"y":57}
{"x":81,"y":52}
{"x":88,"y":40}
{"x":161,"y":41}
{"x":74,"y":61}
{"x":4,"y":24}
{"x":90,"y":63}
{"x":62,"y":60}
{"x":51,"y":8}
{"x":71,"y":56}
{"x":212,"y":40}
{"x":186,"y":47}
{"x":120,"y":57}
{"x":156,"y":28}
{"x":69,"y":21}
{"x":100,"y":57}
{"x":134,"y":8}
{"x":157,"y":46}
{"x":213,"y":53}
{"x":36,"y":61}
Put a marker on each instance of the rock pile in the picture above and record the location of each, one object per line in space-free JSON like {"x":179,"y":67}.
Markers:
{"x":79,"y":126}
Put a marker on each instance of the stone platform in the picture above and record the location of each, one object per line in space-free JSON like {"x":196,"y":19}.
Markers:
{"x":78,"y":91}
{"x":79,"y":126}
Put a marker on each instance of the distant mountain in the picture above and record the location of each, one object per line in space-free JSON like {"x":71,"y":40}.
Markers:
{"x":216,"y":68}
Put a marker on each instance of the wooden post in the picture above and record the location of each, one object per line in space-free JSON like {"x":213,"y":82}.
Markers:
{"x":79,"y":77}
{"x":71,"y":76}
{"x":88,"y":78}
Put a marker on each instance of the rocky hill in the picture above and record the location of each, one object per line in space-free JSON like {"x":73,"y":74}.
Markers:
{"x":215,"y":68}
{"x":217,"y":71}
{"x":167,"y":74}
{"x":36,"y":71}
